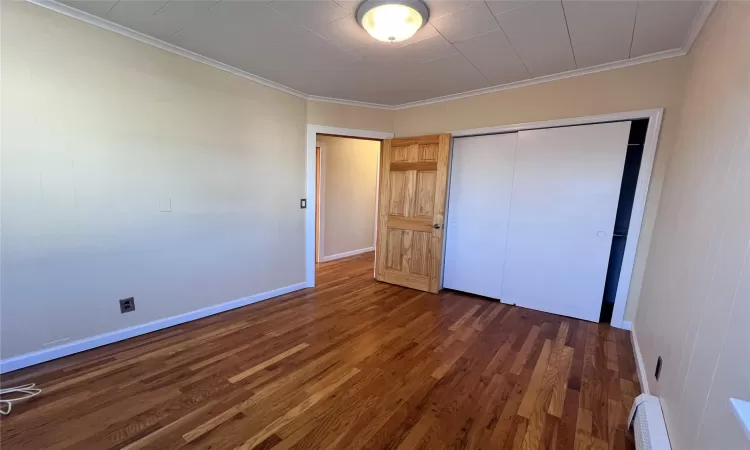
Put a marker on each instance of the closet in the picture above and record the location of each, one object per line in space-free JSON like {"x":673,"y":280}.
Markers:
{"x":531,"y":216}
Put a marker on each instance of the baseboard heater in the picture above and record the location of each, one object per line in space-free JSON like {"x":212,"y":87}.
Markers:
{"x":647,"y":422}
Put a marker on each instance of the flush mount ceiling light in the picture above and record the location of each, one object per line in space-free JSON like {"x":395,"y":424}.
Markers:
{"x":392,"y":20}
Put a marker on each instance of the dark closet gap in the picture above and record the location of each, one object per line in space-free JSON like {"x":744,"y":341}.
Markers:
{"x":632,"y":167}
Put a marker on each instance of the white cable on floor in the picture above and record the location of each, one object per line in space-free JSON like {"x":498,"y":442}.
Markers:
{"x":29,"y":389}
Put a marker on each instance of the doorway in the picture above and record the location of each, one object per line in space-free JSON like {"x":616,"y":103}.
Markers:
{"x":316,"y":249}
{"x":347,"y":172}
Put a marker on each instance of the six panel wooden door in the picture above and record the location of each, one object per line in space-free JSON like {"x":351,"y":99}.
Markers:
{"x":413,"y":182}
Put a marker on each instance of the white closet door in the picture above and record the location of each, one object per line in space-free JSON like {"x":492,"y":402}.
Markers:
{"x":480,"y":186}
{"x":565,"y":193}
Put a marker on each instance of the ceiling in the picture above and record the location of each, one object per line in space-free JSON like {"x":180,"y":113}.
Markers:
{"x":316,"y":46}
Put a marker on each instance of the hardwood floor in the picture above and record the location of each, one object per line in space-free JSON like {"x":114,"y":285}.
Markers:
{"x":350,"y":364}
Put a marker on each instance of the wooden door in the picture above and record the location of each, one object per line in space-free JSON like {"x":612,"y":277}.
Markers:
{"x":413,"y":182}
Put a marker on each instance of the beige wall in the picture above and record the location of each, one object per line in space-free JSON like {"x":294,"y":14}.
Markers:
{"x":99,"y":130}
{"x":695,"y":302}
{"x":345,"y":116}
{"x":653,"y":85}
{"x":644,"y":86}
{"x":348,"y":193}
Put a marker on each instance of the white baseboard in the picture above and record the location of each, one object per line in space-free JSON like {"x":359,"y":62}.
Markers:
{"x":627,"y":325}
{"x":30,"y":359}
{"x":347,"y":254}
{"x":640,"y":365}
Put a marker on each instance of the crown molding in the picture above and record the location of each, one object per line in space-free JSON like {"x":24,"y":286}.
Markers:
{"x":547,"y":78}
{"x":69,"y":11}
{"x":341,"y":101}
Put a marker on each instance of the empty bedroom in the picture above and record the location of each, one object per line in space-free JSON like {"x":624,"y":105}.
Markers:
{"x":375,"y":224}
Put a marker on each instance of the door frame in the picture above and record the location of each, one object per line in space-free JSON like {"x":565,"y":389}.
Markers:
{"x":318,"y":205}
{"x":310,"y":171}
{"x":654,"y":117}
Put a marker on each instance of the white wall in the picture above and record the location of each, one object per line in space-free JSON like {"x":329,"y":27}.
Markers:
{"x":348,"y":195}
{"x":98,"y":130}
{"x":695,"y":304}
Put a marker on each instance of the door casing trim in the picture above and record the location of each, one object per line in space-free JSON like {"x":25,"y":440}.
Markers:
{"x":312,"y":133}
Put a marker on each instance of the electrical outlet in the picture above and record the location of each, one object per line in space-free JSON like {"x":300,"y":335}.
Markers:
{"x":127,"y":305}
{"x":657,"y":373}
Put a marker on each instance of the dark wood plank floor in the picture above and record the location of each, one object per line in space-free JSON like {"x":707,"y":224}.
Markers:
{"x":350,"y":364}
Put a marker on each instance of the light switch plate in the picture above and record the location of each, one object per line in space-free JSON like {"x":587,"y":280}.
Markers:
{"x":165,"y":205}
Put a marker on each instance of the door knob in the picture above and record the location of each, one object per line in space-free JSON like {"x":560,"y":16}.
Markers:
{"x":436,"y":226}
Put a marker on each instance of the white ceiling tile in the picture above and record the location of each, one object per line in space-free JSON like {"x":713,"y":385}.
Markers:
{"x":372,"y":50}
{"x":346,"y":33}
{"x":466,"y":23}
{"x":249,"y":24}
{"x":540,"y":36}
{"x":440,"y":8}
{"x":662,"y":25}
{"x":501,"y":6}
{"x":427,"y":49}
{"x":236,"y":32}
{"x":444,"y":76}
{"x":601,"y":31}
{"x":244,"y":15}
{"x":349,"y":5}
{"x":423,"y":33}
{"x":136,"y":14}
{"x":495,"y":58}
{"x":169,"y":19}
{"x":95,"y":7}
{"x":301,"y":52}
{"x":376,"y":51}
{"x":312,"y":14}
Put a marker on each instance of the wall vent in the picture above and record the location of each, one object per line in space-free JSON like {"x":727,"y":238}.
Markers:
{"x":647,"y":421}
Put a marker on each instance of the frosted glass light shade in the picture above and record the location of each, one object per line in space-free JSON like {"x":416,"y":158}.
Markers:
{"x":392,"y":22}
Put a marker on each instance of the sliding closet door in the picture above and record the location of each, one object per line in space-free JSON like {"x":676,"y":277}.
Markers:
{"x":478,"y":204}
{"x":565,"y":193}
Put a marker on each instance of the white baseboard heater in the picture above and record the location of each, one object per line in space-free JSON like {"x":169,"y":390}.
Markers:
{"x":647,"y":421}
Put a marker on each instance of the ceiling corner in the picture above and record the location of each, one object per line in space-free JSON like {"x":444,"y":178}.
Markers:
{"x":707,"y":7}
